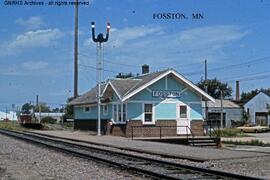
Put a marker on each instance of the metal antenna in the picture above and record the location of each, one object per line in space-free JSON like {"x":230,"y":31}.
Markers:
{"x":100,"y":64}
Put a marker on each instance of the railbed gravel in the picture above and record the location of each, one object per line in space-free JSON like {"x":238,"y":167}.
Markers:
{"x":253,"y":166}
{"x":25,"y":161}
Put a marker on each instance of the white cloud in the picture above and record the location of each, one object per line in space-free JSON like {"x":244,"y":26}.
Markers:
{"x":31,"y":39}
{"x":38,"y":38}
{"x":26,"y":68}
{"x":34,"y":65}
{"x":34,"y":22}
{"x":119,"y":37}
{"x":161,"y":48}
{"x":170,"y":48}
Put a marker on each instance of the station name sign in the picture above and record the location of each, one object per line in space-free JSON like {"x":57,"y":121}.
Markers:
{"x":166,"y":94}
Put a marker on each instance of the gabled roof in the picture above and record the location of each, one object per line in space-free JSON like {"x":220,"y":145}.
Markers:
{"x":126,"y":88}
{"x":122,"y":86}
{"x":260,"y":95}
{"x":89,"y":97}
{"x":217,"y":104}
{"x":159,"y":75}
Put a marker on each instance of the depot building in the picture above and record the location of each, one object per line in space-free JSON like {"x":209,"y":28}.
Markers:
{"x":147,"y":105}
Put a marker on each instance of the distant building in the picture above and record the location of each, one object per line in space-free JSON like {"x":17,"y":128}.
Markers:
{"x":57,"y":116}
{"x":232,"y":113}
{"x":141,"y":105}
{"x":10,"y":115}
{"x":256,"y":108}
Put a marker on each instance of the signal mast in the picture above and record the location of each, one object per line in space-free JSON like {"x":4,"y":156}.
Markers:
{"x":100,"y":65}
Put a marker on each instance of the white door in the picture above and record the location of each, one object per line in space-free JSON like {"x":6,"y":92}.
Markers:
{"x":182,"y":119}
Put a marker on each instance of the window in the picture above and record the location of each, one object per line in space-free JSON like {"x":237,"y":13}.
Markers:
{"x":105,"y":109}
{"x":87,"y":109}
{"x":183,"y":111}
{"x":115,"y":112}
{"x":148,"y":113}
{"x":124,"y":113}
{"x":119,"y":113}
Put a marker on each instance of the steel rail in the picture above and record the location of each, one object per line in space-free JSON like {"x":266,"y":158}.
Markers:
{"x":190,"y":158}
{"x":70,"y":148}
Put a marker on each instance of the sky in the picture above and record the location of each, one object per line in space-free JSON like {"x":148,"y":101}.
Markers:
{"x":36,"y":44}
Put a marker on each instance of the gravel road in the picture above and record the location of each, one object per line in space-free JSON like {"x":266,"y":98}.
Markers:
{"x":24,"y":161}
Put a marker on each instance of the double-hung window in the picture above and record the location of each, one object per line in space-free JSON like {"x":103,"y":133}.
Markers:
{"x":105,"y":109}
{"x":119,"y":113}
{"x":148,"y":114}
{"x":183,"y":111}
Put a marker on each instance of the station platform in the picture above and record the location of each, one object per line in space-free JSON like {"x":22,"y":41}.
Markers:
{"x":163,"y":149}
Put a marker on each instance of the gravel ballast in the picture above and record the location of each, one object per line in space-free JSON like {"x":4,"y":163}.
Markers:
{"x":24,"y":161}
{"x":20,"y":160}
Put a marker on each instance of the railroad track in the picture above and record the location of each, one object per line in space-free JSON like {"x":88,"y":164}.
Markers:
{"x":144,"y":165}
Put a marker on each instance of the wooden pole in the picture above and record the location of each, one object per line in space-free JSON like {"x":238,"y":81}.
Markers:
{"x":76,"y":51}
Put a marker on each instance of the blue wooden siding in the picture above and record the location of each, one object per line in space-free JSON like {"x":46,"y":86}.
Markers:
{"x":196,"y":111}
{"x":163,"y":111}
{"x":92,"y":114}
{"x":134,"y":111}
{"x":172,"y":84}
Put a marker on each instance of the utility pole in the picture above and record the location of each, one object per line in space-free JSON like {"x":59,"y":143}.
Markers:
{"x":39,"y":110}
{"x":206,"y":90}
{"x":6,"y":113}
{"x":221,"y":106}
{"x":76,"y":51}
{"x":99,"y":40}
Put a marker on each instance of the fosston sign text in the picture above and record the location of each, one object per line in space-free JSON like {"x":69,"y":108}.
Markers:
{"x":165,"y":94}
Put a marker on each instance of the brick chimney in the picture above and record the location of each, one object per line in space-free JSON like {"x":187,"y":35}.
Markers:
{"x":237,"y":95}
{"x":145,"y":69}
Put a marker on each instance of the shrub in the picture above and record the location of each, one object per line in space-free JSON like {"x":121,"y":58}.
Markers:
{"x":48,"y":120}
{"x":227,"y":132}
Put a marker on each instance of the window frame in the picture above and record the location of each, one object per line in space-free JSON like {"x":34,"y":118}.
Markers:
{"x":115,"y":114}
{"x":105,"y":113}
{"x":153,"y":113}
{"x":87,"y":111}
{"x":186,"y":115}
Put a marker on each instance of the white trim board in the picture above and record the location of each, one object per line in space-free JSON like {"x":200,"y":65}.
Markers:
{"x":194,"y":87}
{"x":166,"y":101}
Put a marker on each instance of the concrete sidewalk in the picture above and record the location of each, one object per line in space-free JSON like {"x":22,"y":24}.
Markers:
{"x":178,"y":151}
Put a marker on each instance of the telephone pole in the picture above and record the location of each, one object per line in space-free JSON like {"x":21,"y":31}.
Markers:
{"x":221,"y":106}
{"x":206,"y":90}
{"x":76,"y":51}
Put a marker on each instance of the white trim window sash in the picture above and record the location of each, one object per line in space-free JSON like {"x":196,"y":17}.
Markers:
{"x":148,"y":113}
{"x":119,"y":113}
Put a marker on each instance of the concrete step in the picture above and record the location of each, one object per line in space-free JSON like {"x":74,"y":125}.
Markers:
{"x":202,"y":142}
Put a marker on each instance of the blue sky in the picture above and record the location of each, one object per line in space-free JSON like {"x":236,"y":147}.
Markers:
{"x":36,"y":44}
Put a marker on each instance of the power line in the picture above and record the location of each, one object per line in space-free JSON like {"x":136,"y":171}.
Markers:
{"x":229,"y":67}
{"x":93,"y":67}
{"x":248,"y":78}
{"x":136,"y":66}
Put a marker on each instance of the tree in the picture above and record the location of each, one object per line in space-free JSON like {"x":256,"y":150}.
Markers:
{"x":124,"y":75}
{"x":214,"y":86}
{"x":43,"y":108}
{"x":68,"y":110}
{"x":26,"y":108}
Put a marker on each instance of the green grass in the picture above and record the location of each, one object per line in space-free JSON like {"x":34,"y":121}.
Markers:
{"x":229,"y":132}
{"x":253,"y":142}
{"x":12,"y":125}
